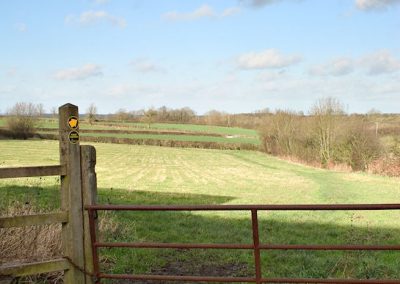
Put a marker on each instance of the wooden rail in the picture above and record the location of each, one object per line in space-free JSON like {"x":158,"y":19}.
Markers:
{"x":37,"y":219}
{"x":34,"y":268}
{"x":32,"y":171}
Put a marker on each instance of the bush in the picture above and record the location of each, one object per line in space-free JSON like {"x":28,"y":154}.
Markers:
{"x":360,"y":145}
{"x":328,"y":136}
{"x":22,"y":119}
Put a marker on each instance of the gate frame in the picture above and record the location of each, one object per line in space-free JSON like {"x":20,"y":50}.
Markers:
{"x":256,"y":246}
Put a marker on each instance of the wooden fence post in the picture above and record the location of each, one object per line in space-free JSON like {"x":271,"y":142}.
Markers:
{"x":71,"y":193}
{"x":89,"y":194}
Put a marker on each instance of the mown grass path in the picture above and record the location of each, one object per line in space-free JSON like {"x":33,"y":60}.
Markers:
{"x":129,"y":174}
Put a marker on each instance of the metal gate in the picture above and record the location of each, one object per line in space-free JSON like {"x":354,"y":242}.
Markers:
{"x":255,"y":246}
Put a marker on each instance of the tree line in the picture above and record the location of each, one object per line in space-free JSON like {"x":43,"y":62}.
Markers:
{"x":327,"y":136}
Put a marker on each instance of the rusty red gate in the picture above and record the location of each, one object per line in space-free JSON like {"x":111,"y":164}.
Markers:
{"x":255,"y":246}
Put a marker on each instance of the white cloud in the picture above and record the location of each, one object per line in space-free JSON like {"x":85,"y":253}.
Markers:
{"x":80,"y":73}
{"x":368,"y":5}
{"x":100,"y":2}
{"x":7,"y":89}
{"x":271,"y":76}
{"x":260,"y":3}
{"x":21,"y":27}
{"x":380,"y":62}
{"x":11,"y":72}
{"x":231,"y":11}
{"x":92,"y":17}
{"x":126,"y":90}
{"x":337,"y":67}
{"x":146,"y":66}
{"x":204,"y":11}
{"x":375,"y":63}
{"x":269,"y":58}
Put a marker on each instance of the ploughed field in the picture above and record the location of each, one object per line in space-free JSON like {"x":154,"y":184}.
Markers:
{"x":131,"y":174}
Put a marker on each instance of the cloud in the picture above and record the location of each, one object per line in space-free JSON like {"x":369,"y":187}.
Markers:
{"x":204,"y":11}
{"x":231,"y":11}
{"x":146,"y":66}
{"x":21,"y":27}
{"x":375,"y":63}
{"x":92,"y":17}
{"x":259,"y":3}
{"x":269,"y":58}
{"x":100,"y":2}
{"x":337,"y":67}
{"x":125,"y":90}
{"x":380,"y":62}
{"x":369,"y":5}
{"x":79,"y":73}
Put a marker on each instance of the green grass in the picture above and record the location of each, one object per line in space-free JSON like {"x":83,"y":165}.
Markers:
{"x":129,"y":174}
{"x":53,"y":123}
{"x":239,"y":135}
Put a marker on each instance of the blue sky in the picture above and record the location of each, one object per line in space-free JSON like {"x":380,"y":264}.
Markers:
{"x":230,"y":55}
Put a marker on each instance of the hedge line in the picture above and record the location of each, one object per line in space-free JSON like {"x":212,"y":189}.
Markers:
{"x":118,"y":131}
{"x":163,"y":143}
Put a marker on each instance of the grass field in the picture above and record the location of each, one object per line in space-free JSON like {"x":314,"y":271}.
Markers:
{"x":199,"y":133}
{"x":129,"y":174}
{"x":53,"y":123}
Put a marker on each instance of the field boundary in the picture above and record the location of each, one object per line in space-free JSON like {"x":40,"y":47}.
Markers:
{"x":162,"y":143}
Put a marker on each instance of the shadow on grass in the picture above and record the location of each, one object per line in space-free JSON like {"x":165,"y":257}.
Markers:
{"x":229,"y":227}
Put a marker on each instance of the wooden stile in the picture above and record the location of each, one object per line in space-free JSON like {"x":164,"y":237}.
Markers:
{"x":78,"y":189}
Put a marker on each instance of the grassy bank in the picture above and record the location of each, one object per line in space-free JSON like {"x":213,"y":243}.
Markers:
{"x":129,"y":174}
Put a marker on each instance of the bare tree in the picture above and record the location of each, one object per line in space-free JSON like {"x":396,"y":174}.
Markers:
{"x":91,"y":113}
{"x":22,"y":119}
{"x":149,"y":116}
{"x":326,"y":113}
{"x":54,"y":112}
{"x":122,"y":115}
{"x":40,"y":110}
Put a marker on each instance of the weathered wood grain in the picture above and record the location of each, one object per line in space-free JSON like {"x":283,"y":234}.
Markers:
{"x":37,"y":219}
{"x":32,"y":171}
{"x":34,"y":268}
{"x":89,"y":193}
{"x":71,"y":196}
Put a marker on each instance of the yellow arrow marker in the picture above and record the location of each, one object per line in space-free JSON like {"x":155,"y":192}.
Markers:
{"x":73,"y":122}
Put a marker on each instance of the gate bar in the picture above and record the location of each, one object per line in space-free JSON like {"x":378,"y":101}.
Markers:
{"x":245,"y":246}
{"x":289,"y":207}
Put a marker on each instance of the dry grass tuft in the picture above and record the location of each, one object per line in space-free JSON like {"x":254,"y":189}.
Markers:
{"x":30,"y":244}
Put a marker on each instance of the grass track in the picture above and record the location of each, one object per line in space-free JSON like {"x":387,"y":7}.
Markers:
{"x":157,"y":175}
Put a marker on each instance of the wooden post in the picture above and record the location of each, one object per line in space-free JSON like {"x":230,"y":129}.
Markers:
{"x":71,"y":194}
{"x":89,"y":194}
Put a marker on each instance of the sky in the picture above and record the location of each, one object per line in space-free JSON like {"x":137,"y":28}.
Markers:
{"x":230,"y":55}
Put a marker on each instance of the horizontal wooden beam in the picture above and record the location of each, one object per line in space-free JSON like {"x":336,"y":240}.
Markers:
{"x":34,"y":268}
{"x":32,"y":171}
{"x":37,"y":219}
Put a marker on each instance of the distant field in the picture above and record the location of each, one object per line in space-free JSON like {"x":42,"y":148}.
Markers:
{"x":179,"y":137}
{"x":53,"y":123}
{"x":189,"y":132}
{"x":132,"y":174}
